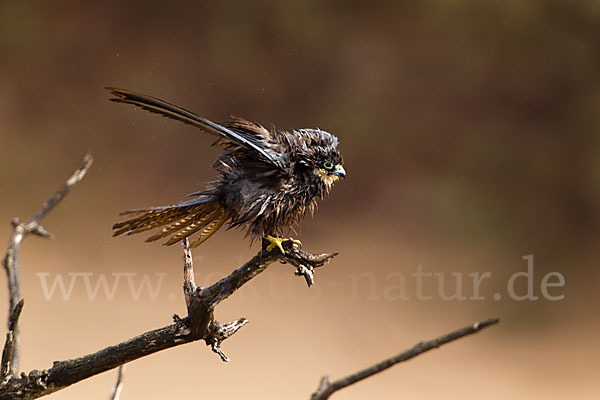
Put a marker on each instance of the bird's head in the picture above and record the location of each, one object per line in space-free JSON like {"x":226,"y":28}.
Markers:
{"x":320,"y":158}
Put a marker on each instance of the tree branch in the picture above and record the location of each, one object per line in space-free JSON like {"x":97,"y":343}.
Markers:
{"x":327,"y":388}
{"x":10,"y":261}
{"x":200,"y":324}
{"x":7,"y":368}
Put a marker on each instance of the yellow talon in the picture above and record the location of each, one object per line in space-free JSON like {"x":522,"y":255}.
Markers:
{"x":277,"y":242}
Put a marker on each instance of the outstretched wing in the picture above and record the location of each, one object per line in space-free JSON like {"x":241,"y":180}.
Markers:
{"x":158,"y":106}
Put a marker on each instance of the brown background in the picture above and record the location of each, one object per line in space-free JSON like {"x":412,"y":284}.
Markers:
{"x":470,"y":136}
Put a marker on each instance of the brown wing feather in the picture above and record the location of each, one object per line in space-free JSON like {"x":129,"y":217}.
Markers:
{"x":172,"y":111}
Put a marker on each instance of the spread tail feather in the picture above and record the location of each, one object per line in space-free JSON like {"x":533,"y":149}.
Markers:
{"x":178,"y":222}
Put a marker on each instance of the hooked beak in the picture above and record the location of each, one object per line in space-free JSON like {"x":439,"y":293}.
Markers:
{"x":339,"y":171}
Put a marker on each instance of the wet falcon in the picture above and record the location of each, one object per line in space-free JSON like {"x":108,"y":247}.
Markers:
{"x":268,"y":180}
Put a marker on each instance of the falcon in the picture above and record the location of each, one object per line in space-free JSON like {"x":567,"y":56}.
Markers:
{"x":268,"y":180}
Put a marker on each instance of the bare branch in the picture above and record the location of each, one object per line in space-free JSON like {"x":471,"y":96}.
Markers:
{"x":20,"y":231}
{"x":189,"y":280}
{"x":327,"y":388}
{"x":78,"y":175}
{"x":294,"y":256}
{"x":199,"y":314}
{"x":220,"y":332}
{"x":202,"y":301}
{"x":7,"y":368}
{"x":198,"y":325}
{"x":116,"y":392}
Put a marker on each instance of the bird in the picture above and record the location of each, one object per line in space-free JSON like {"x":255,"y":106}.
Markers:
{"x":268,"y":180}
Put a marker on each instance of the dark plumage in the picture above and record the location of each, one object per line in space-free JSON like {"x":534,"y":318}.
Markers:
{"x":268,"y":179}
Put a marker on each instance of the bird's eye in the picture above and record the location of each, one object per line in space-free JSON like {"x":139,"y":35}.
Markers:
{"x":328,"y":165}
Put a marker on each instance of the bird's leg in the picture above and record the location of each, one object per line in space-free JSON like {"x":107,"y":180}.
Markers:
{"x":277,"y":242}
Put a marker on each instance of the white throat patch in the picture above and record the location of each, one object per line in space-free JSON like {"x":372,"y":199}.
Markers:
{"x":327,"y":179}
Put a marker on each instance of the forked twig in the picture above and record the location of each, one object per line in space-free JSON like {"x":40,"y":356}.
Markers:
{"x":116,"y":391}
{"x":200,"y":324}
{"x":11,"y":259}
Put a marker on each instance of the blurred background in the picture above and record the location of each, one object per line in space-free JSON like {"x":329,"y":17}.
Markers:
{"x":470,"y":135}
